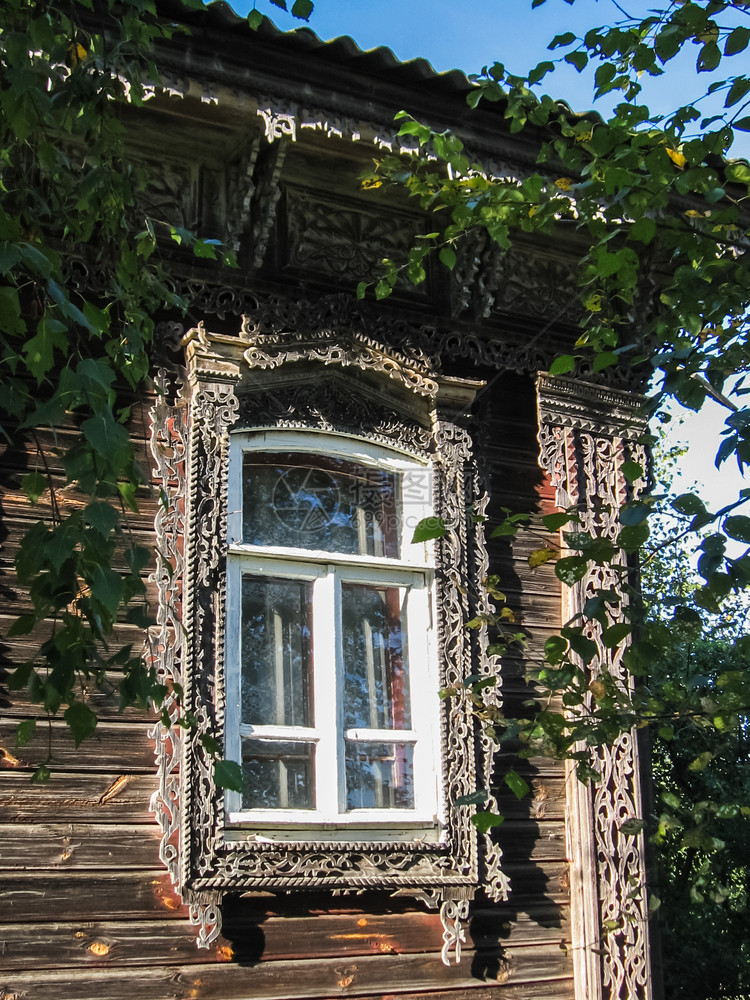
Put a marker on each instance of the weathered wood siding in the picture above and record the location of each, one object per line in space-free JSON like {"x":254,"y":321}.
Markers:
{"x":87,"y":911}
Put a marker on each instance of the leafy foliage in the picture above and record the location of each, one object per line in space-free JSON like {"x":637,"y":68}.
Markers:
{"x":655,"y":200}
{"x":71,"y":358}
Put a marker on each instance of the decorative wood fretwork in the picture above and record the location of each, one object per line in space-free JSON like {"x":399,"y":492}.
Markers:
{"x":356,"y":386}
{"x":586,"y":433}
{"x":345,"y":240}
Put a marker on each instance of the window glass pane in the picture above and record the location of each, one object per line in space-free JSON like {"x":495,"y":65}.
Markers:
{"x":276,"y":652}
{"x":311,"y":502}
{"x":376,"y":679}
{"x":278,"y":775}
{"x":379,"y":776}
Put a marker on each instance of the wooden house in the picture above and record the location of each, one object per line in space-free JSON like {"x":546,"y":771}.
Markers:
{"x":296,"y":435}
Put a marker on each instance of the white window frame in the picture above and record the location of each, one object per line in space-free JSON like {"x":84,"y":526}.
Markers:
{"x":414,"y":570}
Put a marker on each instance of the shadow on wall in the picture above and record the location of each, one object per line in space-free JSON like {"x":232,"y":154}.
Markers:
{"x":15,"y":464}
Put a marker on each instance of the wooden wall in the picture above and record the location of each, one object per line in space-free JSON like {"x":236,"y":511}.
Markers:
{"x":87,"y":912}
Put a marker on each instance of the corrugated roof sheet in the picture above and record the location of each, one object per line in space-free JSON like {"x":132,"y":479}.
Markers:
{"x":342,"y":50}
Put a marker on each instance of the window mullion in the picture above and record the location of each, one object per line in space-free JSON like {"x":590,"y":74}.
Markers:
{"x":233,"y":680}
{"x":422,"y":708}
{"x":338,"y":699}
{"x":325,"y":644}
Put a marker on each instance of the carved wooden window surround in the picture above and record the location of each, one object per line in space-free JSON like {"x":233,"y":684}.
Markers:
{"x":348,"y":387}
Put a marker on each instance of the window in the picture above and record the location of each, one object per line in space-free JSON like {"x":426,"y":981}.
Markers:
{"x":309,"y":637}
{"x":331,"y":677}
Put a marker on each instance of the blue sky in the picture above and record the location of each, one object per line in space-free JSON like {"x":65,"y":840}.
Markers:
{"x":468,"y":36}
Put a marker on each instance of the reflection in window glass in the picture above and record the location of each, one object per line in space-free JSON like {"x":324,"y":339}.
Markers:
{"x":379,"y":776}
{"x":312,"y":502}
{"x":276,"y":652}
{"x":278,"y":775}
{"x":376,"y":682}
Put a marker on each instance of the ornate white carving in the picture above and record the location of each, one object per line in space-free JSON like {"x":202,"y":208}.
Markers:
{"x":453,"y":914}
{"x":585,"y":434}
{"x":278,"y":125}
{"x":258,"y":379}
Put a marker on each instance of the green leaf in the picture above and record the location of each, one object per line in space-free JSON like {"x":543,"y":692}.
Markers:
{"x":33,"y":485}
{"x":41,"y":776}
{"x":643,"y":229}
{"x":105,"y":435}
{"x":541,"y":556}
{"x":631,"y":827}
{"x":559,"y":40}
{"x":701,"y":762}
{"x":553,"y":522}
{"x":571,"y":569}
{"x":81,"y":721}
{"x":255,"y":19}
{"x":709,"y":57}
{"x":302,"y":9}
{"x":22,"y":625}
{"x":737,"y":91}
{"x":25,"y":731}
{"x":634,"y":513}
{"x":688,"y":503}
{"x":210,"y":744}
{"x":738,"y":172}
{"x":228,"y":775}
{"x":448,"y":257}
{"x":738,"y":526}
{"x":555,"y":649}
{"x":107,"y":588}
{"x":472,"y":798}
{"x":101,"y":516}
{"x":613,"y":636}
{"x":604,"y":360}
{"x":632,"y":537}
{"x":584,"y":647}
{"x":517,"y":785}
{"x":40,"y":349}
{"x":11,"y":320}
{"x":204,"y":249}
{"x":743,"y":124}
{"x":632,"y":471}
{"x":127,"y":492}
{"x":485,"y":821}
{"x":737,"y":40}
{"x":578,"y":59}
{"x":429,"y":527}
{"x":562,"y":364}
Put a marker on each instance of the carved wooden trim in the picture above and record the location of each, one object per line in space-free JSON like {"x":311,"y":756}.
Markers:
{"x":585,"y":434}
{"x":358,"y":386}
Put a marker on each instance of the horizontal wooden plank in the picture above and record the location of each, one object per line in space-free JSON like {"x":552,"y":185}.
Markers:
{"x":18,"y":602}
{"x":34,"y":897}
{"x":546,"y":801}
{"x":55,"y":846}
{"x":120,"y":746}
{"x":109,"y":944}
{"x":16,"y":505}
{"x":80,"y":845}
{"x":105,"y":702}
{"x":531,"y":840}
{"x":388,"y":974}
{"x":77,"y":797}
{"x":24,"y":452}
{"x":558,"y":989}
